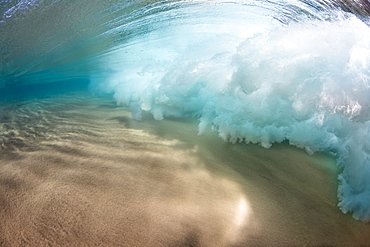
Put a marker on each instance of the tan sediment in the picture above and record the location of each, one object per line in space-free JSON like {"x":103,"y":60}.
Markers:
{"x":80,"y":172}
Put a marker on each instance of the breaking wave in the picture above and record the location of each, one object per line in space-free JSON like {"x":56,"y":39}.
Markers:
{"x":255,"y":71}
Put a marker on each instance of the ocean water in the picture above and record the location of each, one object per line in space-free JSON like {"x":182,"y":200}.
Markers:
{"x":255,"y":72}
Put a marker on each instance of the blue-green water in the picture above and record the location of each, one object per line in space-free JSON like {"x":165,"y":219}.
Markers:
{"x":254,"y":71}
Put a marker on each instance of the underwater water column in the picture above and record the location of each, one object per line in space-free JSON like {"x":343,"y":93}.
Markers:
{"x":259,"y":72}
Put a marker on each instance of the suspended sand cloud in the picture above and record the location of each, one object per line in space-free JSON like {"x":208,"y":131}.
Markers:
{"x":68,"y":177}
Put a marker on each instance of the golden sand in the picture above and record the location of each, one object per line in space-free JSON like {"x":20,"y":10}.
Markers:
{"x":78,"y":171}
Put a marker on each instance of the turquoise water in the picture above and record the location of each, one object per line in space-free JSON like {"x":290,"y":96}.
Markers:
{"x":259,"y":72}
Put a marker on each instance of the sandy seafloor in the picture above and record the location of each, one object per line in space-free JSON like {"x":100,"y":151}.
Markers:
{"x":77,"y":170}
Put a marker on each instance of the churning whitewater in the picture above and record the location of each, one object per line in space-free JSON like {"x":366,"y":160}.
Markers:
{"x":254,"y":71}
